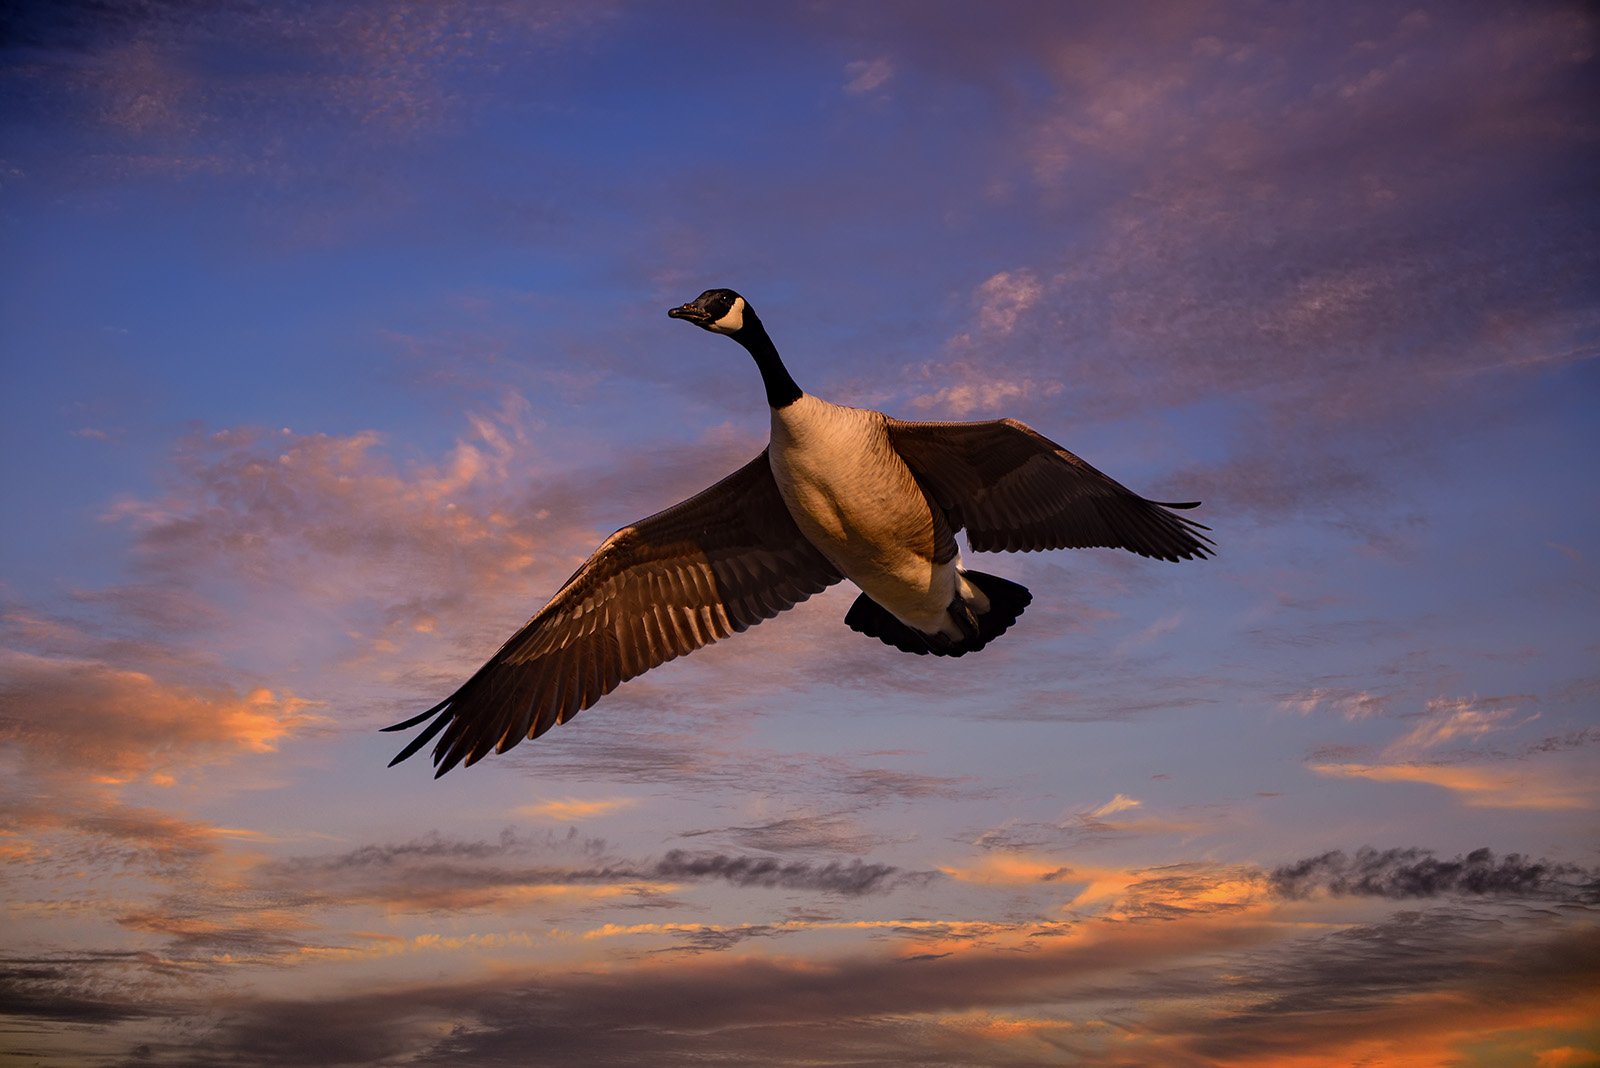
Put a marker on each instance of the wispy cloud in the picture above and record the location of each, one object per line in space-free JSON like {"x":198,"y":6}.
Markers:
{"x":964,"y":391}
{"x":969,"y":383}
{"x":93,"y":832}
{"x":1348,"y":704}
{"x":1481,"y":785}
{"x":867,"y":75}
{"x":446,"y":874}
{"x":1006,"y":297}
{"x":1449,"y":720}
{"x":566,"y":809}
{"x":1120,"y":803}
{"x":820,"y":832}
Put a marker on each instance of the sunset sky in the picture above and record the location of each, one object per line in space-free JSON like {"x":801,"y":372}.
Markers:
{"x":334,"y":338}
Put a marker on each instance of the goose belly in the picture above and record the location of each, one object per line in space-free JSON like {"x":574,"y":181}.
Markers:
{"x":857,"y":502}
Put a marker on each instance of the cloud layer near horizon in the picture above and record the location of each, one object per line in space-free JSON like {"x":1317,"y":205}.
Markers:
{"x":1000,"y":993}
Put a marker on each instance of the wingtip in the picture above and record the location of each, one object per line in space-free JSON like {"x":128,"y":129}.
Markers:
{"x":416,"y":719}
{"x":443,"y":717}
{"x":447,"y":759}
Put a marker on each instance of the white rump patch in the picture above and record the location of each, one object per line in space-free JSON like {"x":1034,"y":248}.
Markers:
{"x":731,"y":323}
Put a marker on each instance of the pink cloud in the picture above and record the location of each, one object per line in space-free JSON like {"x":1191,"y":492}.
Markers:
{"x":388,"y":553}
{"x":1348,"y":704}
{"x":1448,"y":720}
{"x":112,"y":725}
{"x":971,"y":392}
{"x":866,"y":75}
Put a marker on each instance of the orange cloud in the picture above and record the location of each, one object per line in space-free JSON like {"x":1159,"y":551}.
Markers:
{"x":921,"y":929}
{"x":1196,"y":888}
{"x":473,"y":898}
{"x":1007,"y":868}
{"x":1479,"y":786}
{"x":567,"y":809}
{"x":1001,"y":1027}
{"x":1125,"y":892}
{"x":113,"y":725}
{"x":1429,"y":1030}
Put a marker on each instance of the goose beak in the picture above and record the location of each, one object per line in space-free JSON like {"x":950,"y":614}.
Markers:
{"x":691,"y":312}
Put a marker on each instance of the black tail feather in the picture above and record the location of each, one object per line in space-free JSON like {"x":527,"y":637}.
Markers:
{"x":1007,"y":599}
{"x":875,"y":621}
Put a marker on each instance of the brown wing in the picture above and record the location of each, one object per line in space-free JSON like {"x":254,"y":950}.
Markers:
{"x":721,"y":561}
{"x":1014,"y":489}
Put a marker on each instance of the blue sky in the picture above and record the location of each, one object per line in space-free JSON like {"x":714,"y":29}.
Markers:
{"x":334,"y":339}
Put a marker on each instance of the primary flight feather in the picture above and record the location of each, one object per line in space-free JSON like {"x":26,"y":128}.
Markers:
{"x":838,"y":493}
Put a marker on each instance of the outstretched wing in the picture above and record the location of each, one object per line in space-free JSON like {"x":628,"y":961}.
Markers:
{"x":721,"y":561}
{"x":1014,"y":489}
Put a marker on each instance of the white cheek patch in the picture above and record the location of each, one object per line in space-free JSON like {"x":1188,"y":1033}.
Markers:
{"x":731,"y":323}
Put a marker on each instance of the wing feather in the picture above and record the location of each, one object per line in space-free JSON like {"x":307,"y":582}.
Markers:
{"x":719,"y":562}
{"x":1013,"y":489}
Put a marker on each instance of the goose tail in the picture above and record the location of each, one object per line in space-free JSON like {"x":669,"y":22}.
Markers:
{"x":1007,"y":599}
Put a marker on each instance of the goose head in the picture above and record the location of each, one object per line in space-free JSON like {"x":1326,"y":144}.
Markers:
{"x":721,"y":311}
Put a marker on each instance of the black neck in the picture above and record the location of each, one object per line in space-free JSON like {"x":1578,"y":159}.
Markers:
{"x":781,"y":388}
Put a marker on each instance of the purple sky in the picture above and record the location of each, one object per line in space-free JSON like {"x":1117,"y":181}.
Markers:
{"x":335,"y":338}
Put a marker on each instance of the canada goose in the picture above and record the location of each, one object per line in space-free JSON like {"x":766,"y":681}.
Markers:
{"x":838,"y":493}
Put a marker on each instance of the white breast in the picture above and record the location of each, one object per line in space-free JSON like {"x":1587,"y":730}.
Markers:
{"x":857,"y":502}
